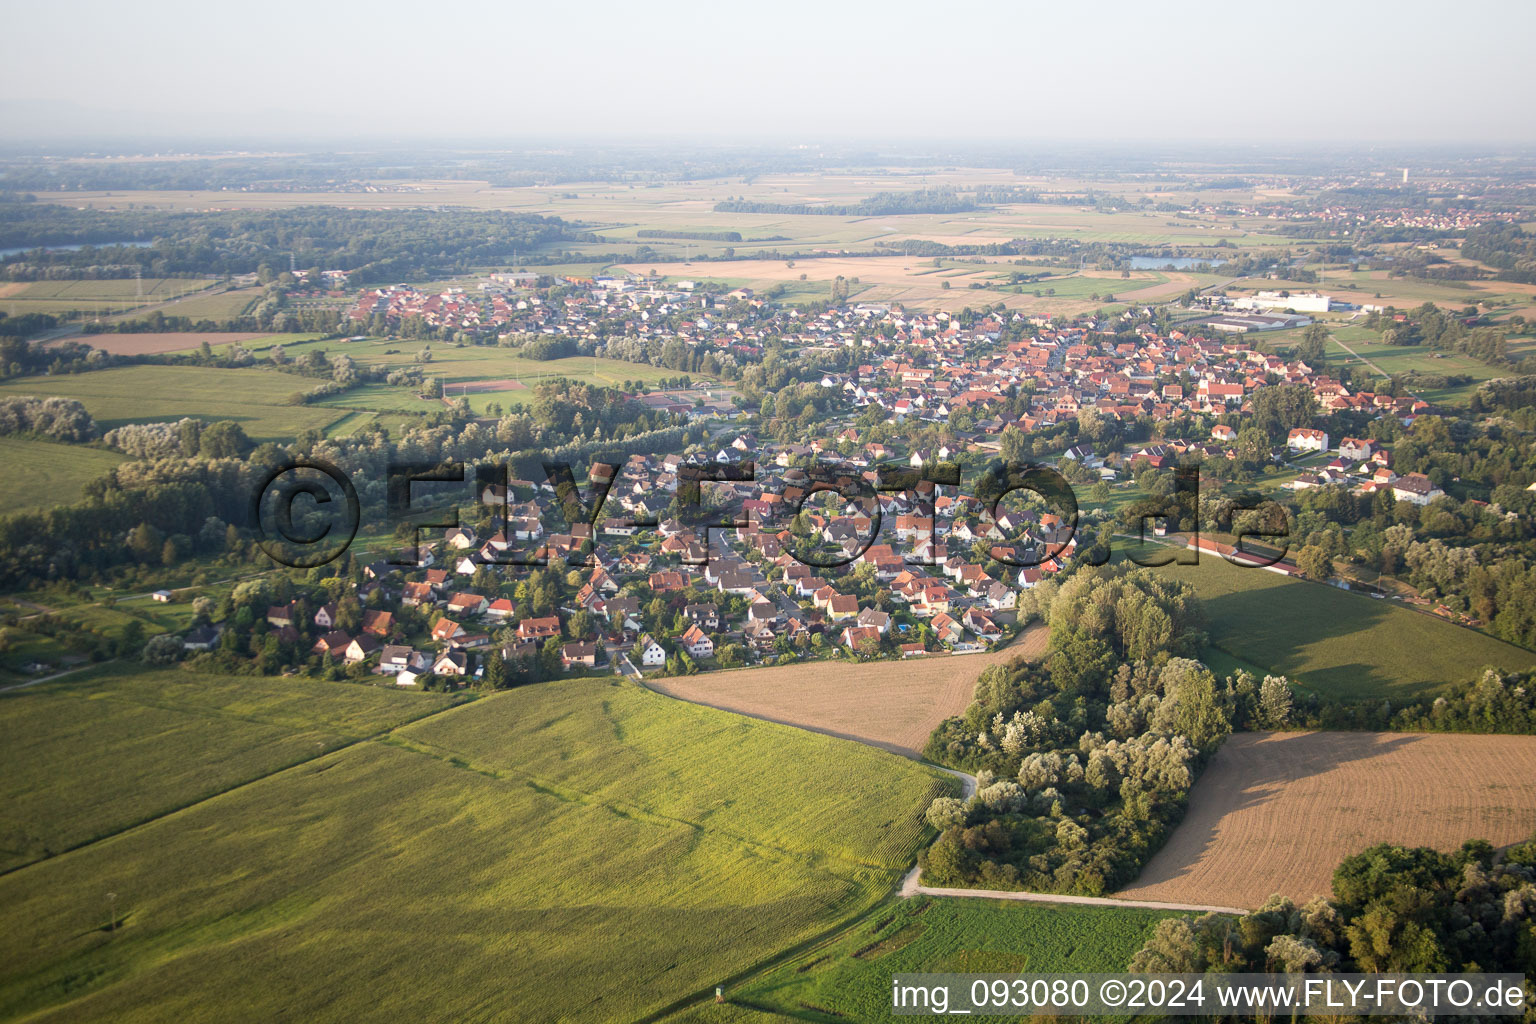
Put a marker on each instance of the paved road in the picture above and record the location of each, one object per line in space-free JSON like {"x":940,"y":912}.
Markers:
{"x":50,"y":678}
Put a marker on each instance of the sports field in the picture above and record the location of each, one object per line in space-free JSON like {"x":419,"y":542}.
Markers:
{"x":1276,"y":812}
{"x":1335,"y":642}
{"x":42,"y":474}
{"x":573,"y":850}
{"x":1364,"y":348}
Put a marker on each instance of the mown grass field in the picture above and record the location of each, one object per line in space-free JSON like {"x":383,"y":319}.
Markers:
{"x":44,"y":473}
{"x":256,"y":399}
{"x":214,"y":306}
{"x":574,"y":850}
{"x":94,"y":296}
{"x":1365,"y":346}
{"x":91,"y":754}
{"x":1336,"y":642}
{"x":461,"y":368}
{"x":849,"y":978}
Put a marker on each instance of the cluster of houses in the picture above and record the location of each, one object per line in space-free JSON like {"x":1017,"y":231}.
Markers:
{"x":925,"y":587}
{"x":1361,"y":464}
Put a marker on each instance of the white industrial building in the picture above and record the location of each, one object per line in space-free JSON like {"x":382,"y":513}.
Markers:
{"x":1301,"y":302}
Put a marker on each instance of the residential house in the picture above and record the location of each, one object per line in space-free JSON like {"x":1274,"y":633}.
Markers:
{"x":447,"y":630}
{"x":539,"y":628}
{"x":1304,"y":439}
{"x":580,"y":652}
{"x":652,"y":654}
{"x":697,"y":643}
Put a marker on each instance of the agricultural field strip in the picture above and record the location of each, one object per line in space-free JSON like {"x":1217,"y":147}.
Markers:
{"x":1031,"y":646}
{"x":569,"y":795}
{"x":347,"y":742}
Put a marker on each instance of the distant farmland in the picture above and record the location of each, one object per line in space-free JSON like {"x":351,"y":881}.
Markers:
{"x":107,"y":296}
{"x":256,"y":399}
{"x":1335,"y":642}
{"x":139,"y":344}
{"x":1276,"y":812}
{"x":574,"y":850}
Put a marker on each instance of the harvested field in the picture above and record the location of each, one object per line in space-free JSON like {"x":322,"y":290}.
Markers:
{"x":478,"y":386}
{"x":892,"y":705}
{"x":154,"y":344}
{"x":1276,"y":812}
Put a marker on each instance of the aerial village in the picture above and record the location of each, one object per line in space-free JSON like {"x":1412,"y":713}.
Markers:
{"x":926,"y":572}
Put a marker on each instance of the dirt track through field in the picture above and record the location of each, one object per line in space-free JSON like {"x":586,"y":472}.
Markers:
{"x":892,"y":705}
{"x":1276,"y":812}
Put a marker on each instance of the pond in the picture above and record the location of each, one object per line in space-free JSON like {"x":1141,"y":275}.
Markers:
{"x":1159,"y":262}
{"x":68,"y":248}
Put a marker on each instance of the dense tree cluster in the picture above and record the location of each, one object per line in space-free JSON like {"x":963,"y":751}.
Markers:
{"x":373,"y":245}
{"x":935,"y":200}
{"x":57,"y":419}
{"x":1508,"y":248}
{"x":1394,"y":909}
{"x":1084,"y":764}
{"x":696,"y":236}
{"x":1077,"y":787}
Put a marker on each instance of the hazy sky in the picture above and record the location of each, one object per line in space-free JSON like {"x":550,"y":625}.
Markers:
{"x":1335,"y":71}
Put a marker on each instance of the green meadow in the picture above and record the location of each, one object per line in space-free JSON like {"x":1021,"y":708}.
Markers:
{"x":1367,"y":347}
{"x":575,"y":850}
{"x":45,"y":473}
{"x":96,"y":296}
{"x":256,"y":399}
{"x":1333,"y":641}
{"x":90,"y":755}
{"x":849,"y":978}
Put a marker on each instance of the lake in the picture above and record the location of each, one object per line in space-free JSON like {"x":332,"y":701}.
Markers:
{"x":1159,"y":262}
{"x":68,"y":248}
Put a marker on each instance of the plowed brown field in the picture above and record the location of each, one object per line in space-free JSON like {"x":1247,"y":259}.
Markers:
{"x":1276,"y":812}
{"x":889,"y":704}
